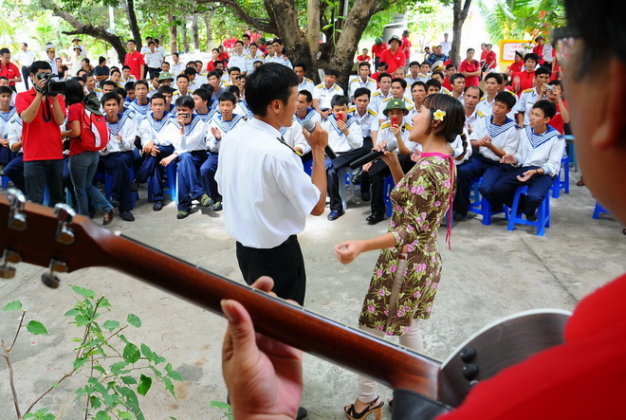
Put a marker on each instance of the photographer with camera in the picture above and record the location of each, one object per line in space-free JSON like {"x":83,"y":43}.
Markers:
{"x":42,"y":111}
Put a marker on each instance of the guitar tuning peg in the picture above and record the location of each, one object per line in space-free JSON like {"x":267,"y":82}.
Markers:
{"x":17,"y":218}
{"x":49,"y":278}
{"x":8,"y":257}
{"x":65,"y":214}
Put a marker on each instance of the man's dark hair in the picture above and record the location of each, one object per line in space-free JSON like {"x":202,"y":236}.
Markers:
{"x":496,"y":76}
{"x":365,"y":64}
{"x":277,"y":41}
{"x":362,"y":91}
{"x":433,"y":82}
{"x":157,"y":96}
{"x":5,"y":89}
{"x":39,"y":65}
{"x":101,"y":60}
{"x":456,"y":76}
{"x":151,"y":43}
{"x":414,"y":63}
{"x":555,"y":83}
{"x":383,"y":75}
{"x":531,"y":56}
{"x":185,"y":101}
{"x":506,"y":98}
{"x":204,"y":94}
{"x":339,"y":100}
{"x":419,"y":83}
{"x":131,"y":40}
{"x":299,"y":65}
{"x":548,"y":108}
{"x":439,"y":73}
{"x":211,"y":74}
{"x":112,"y":95}
{"x":234,"y":90}
{"x":271,"y":81}
{"x":480,"y":91}
{"x":309,"y":97}
{"x":227,"y":96}
{"x":253,"y":43}
{"x":331,"y":72}
{"x":542,"y":70}
{"x":129,"y":86}
{"x":115,"y":71}
{"x":450,"y":66}
{"x":233,"y":68}
{"x":4,"y":51}
{"x":383,"y":64}
{"x":190,"y":70}
{"x":239,"y":42}
{"x":120,"y":92}
{"x":142,"y":82}
{"x":166,"y":89}
{"x":245,"y":36}
{"x":176,"y":54}
{"x":182,"y":76}
{"x":399,"y":80}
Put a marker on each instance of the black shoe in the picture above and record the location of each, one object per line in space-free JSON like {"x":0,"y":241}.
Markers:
{"x":157,"y":206}
{"x":182,"y":214}
{"x":302,"y":413}
{"x":374,"y":218}
{"x":127,"y":216}
{"x":217,"y":206}
{"x":335,"y":214}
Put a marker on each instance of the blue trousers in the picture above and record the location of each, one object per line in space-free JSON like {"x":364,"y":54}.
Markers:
{"x":188,"y":173}
{"x":39,"y":174}
{"x":15,"y":171}
{"x":118,"y":165}
{"x":502,"y":190}
{"x":474,"y":168}
{"x":6,"y":155}
{"x":207,"y":171}
{"x":152,"y":172}
{"x":82,"y":171}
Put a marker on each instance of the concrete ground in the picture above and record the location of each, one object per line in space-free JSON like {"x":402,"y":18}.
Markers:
{"x":489,"y":273}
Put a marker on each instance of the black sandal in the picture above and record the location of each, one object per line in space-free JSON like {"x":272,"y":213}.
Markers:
{"x":375,"y":407}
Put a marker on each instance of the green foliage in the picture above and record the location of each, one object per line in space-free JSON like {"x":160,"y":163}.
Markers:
{"x":225,"y":407}
{"x":112,"y":384}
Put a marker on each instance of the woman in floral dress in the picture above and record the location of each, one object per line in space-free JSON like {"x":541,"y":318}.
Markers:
{"x":407,"y":273}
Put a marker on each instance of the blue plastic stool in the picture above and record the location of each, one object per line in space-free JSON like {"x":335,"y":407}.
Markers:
{"x":561,"y":182}
{"x":599,"y":210}
{"x":543,"y":213}
{"x":388,"y":185}
{"x":480,"y":205}
{"x":308,"y":166}
{"x":571,"y":151}
{"x":5,"y":182}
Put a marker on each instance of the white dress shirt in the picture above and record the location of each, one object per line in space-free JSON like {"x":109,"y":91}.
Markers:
{"x":307,"y":84}
{"x":365,"y":120}
{"x":213,"y":144}
{"x":385,"y":135}
{"x":15,"y":132}
{"x":293,"y":137}
{"x":504,"y":136}
{"x":325,"y":95}
{"x":122,"y":134}
{"x":311,"y":114}
{"x":486,"y":107}
{"x":266,"y":194}
{"x":357,"y":82}
{"x":240,"y":61}
{"x":525,"y":103}
{"x":542,"y":150}
{"x":194,"y":137}
{"x":340,"y":142}
{"x":151,"y":130}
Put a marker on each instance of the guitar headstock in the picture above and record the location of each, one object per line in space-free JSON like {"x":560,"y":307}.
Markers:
{"x":56,"y":239}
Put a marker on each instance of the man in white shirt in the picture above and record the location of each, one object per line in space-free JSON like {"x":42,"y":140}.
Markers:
{"x":254,"y":55}
{"x":177,"y":66}
{"x":266,"y":201}
{"x":238,"y":58}
{"x":363,"y":80}
{"x":153,"y":59}
{"x":383,"y":92}
{"x":278,"y":56}
{"x":304,"y":83}
{"x":24,"y":59}
{"x":324,"y":92}
{"x":528,"y":97}
{"x":446,"y":45}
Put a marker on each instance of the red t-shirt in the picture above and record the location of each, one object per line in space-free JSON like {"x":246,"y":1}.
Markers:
{"x":363,"y":58}
{"x":490,"y":60}
{"x":470,"y":66}
{"x":41,"y":138}
{"x":526,"y":81}
{"x":10,"y":71}
{"x":393,"y":60}
{"x":134,"y":60}
{"x":557,"y":120}
{"x":75,"y":113}
{"x":538,"y":49}
{"x":377,"y":50}
{"x":516,"y":67}
{"x":446,"y":83}
{"x":406,"y":47}
{"x":580,"y":379}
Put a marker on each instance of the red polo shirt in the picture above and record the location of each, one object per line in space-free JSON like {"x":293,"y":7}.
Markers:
{"x":41,"y":138}
{"x":377,"y":50}
{"x":134,"y":60}
{"x":470,"y":67}
{"x":393,"y":60}
{"x":363,"y":58}
{"x":10,"y":71}
{"x":557,"y":120}
{"x":526,"y":81}
{"x":406,"y":47}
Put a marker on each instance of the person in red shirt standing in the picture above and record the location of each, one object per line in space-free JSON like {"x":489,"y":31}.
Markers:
{"x":470,"y":68}
{"x":377,"y":50}
{"x":538,"y":49}
{"x":517,"y":64}
{"x":134,"y":60}
{"x":8,"y":69}
{"x":42,"y":113}
{"x":525,"y":79}
{"x":394,"y":57}
{"x":363,"y":58}
{"x":491,"y":60}
{"x":406,"y":45}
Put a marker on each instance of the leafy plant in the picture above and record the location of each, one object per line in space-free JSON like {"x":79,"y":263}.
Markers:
{"x":225,"y":407}
{"x":116,"y":368}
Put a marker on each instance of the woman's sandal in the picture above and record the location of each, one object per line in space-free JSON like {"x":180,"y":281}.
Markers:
{"x":375,"y":407}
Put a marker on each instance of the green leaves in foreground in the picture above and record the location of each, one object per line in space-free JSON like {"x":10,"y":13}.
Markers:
{"x":16,"y":305}
{"x":36,"y":328}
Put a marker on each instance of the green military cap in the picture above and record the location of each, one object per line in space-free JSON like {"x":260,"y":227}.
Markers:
{"x":395,"y":104}
{"x":165,"y":76}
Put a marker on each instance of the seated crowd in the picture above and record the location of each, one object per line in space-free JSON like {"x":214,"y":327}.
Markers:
{"x":167,"y":120}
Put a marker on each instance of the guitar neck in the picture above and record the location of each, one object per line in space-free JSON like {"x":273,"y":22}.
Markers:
{"x":351,"y":348}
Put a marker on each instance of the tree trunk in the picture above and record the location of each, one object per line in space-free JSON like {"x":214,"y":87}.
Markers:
{"x":173,"y":33}
{"x":132,"y":20}
{"x":313,"y":26}
{"x":209,"y":35}
{"x":185,"y":38}
{"x":460,"y":12}
{"x":194,"y":32}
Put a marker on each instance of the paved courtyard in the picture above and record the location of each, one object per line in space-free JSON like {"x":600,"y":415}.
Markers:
{"x":489,"y":273}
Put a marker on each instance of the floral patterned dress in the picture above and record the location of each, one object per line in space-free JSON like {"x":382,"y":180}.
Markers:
{"x":420,"y":201}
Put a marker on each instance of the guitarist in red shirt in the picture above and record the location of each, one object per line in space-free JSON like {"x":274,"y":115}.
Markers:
{"x":580,"y":379}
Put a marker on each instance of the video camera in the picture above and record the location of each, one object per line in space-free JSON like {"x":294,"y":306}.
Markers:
{"x":52,"y":87}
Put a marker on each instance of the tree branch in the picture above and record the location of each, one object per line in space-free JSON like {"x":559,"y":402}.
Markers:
{"x":7,"y":357}
{"x":263,"y":25}
{"x":53,"y":386}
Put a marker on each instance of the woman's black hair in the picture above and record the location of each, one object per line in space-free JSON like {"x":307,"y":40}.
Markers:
{"x":267,"y":83}
{"x":453,"y":121}
{"x":74,"y":92}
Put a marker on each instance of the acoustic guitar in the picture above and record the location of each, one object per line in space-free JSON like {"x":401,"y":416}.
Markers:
{"x":62,"y":241}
